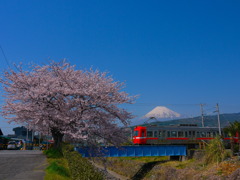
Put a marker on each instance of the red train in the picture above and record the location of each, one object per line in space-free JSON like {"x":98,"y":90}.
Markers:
{"x":184,"y":134}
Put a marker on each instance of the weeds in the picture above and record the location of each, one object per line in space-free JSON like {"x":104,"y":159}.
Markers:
{"x":53,"y":153}
{"x":215,"y":151}
{"x":58,"y":166}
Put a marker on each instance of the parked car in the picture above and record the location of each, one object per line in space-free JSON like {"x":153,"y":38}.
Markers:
{"x":12,"y":145}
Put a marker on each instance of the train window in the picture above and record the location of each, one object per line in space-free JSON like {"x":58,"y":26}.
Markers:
{"x":198,"y":134}
{"x":173,"y":133}
{"x":143,"y":134}
{"x":211,"y":134}
{"x":214,"y":134}
{"x":163,"y":135}
{"x":149,"y":134}
{"x":203,"y":134}
{"x":193,"y":133}
{"x":186,"y":134}
{"x":155,"y":134}
{"x":190,"y":133}
{"x":160,"y":133}
{"x":180,"y":133}
{"x":226,"y":135}
{"x":135,"y":133}
{"x":208,"y":134}
{"x":168,"y":134}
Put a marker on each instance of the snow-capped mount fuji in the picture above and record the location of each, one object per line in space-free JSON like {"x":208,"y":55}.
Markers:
{"x":162,"y":113}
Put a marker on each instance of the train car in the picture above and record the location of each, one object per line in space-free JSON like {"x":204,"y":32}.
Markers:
{"x":184,"y":134}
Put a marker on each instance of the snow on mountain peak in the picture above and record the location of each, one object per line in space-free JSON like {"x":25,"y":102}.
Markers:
{"x":162,"y":112}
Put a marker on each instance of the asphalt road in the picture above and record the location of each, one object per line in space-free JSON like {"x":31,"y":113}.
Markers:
{"x":22,"y":165}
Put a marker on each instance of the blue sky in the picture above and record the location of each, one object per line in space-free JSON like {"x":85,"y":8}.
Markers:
{"x":172,"y":53}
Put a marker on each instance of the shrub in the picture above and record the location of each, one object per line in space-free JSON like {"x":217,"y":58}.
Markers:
{"x":80,"y":168}
{"x":215,"y":151}
{"x":53,"y":153}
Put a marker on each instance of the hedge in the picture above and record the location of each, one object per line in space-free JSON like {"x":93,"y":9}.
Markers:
{"x":80,"y":168}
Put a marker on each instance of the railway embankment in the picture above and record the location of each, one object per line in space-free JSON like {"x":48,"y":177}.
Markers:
{"x":160,"y":168}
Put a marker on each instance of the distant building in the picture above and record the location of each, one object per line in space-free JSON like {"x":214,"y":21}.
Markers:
{"x":21,"y":133}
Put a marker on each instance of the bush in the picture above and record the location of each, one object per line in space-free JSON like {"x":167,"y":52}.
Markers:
{"x":80,"y":168}
{"x":215,"y":151}
{"x":53,"y":153}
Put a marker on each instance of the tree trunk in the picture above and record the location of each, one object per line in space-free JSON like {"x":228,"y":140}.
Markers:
{"x":57,"y":136}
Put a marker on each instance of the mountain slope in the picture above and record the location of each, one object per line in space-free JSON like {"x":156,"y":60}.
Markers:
{"x":210,"y":121}
{"x":161,"y":112}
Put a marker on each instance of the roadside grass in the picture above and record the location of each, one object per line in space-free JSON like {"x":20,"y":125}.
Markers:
{"x":58,"y":166}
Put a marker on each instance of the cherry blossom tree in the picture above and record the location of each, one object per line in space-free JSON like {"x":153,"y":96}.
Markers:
{"x":82,"y":104}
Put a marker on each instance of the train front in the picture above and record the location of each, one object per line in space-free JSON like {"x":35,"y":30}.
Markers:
{"x":139,"y":135}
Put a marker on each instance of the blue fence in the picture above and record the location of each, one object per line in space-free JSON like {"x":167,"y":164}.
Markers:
{"x":133,"y":151}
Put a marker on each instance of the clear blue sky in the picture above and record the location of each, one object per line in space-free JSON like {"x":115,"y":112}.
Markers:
{"x":171,"y":53}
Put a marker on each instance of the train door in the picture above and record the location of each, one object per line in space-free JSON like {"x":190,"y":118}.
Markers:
{"x":139,"y":135}
{"x":162,"y":134}
{"x":143,"y":133}
{"x":191,"y":134}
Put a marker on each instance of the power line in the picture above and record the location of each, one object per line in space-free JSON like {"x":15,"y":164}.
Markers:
{"x":4,"y":55}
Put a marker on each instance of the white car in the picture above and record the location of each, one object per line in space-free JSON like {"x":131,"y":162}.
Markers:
{"x":12,"y":145}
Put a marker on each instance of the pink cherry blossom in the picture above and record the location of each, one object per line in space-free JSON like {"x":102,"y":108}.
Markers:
{"x":81,"y":104}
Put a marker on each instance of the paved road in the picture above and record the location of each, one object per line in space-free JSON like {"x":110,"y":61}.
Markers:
{"x":22,"y":165}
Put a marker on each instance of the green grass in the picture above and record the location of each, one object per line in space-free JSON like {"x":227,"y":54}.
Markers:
{"x":58,"y":166}
{"x":57,"y":169}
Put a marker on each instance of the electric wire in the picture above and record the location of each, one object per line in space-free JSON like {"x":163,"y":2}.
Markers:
{"x":5,"y":57}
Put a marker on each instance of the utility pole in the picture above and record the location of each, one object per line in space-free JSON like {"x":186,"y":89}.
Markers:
{"x":39,"y":137}
{"x":32,"y":135}
{"x":27,"y":133}
{"x":201,"y":107}
{"x":219,"y":125}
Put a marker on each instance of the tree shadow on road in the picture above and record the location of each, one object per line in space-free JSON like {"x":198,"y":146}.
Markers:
{"x":147,"y":167}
